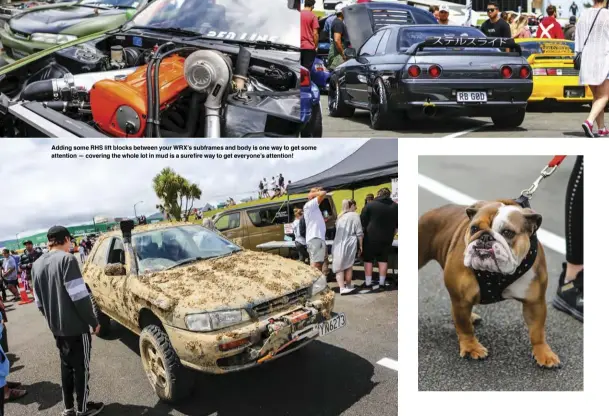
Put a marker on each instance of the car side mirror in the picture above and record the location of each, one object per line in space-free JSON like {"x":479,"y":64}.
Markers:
{"x":115,"y":269}
{"x":350,"y":53}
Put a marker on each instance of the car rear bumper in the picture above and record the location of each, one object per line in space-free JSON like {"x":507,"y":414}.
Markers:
{"x":501,"y":96}
{"x":553,"y":88}
{"x":201,"y":351}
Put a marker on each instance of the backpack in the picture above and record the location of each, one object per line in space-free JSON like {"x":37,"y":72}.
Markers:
{"x":302,"y":228}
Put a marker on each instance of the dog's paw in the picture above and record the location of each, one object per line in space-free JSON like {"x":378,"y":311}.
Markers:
{"x":473,"y":349}
{"x":475,"y":318}
{"x":545,"y":357}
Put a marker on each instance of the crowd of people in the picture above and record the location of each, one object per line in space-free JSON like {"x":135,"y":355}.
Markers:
{"x":278,"y":186}
{"x":368,"y":235}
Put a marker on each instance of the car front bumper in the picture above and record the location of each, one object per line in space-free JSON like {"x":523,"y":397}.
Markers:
{"x":502,"y":96}
{"x":554,"y":88}
{"x":309,"y":98}
{"x":268,"y":338}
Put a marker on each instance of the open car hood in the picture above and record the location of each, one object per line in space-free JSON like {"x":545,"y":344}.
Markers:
{"x":363,"y":19}
{"x":57,"y":19}
{"x":237,"y":281}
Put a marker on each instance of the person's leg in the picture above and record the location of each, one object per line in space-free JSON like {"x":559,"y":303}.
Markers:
{"x":2,"y":403}
{"x":574,"y":221}
{"x":3,"y":284}
{"x":81,"y":358}
{"x":67,"y":372}
{"x":570,"y":293}
{"x":340,"y":279}
{"x":12,"y":287}
{"x":368,"y":261}
{"x":601,"y":95}
{"x":383,"y":260}
{"x":349,"y":277}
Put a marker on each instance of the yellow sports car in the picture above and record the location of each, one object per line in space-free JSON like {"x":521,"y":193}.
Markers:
{"x":554,"y":78}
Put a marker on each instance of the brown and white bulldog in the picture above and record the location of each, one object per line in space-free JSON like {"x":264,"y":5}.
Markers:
{"x":489,"y":252}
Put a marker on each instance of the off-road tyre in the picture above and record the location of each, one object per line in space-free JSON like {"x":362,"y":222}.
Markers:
{"x":179,"y":381}
{"x":381,"y":117}
{"x":314,"y":127}
{"x":511,"y":120}
{"x":105,"y":325}
{"x":336,"y":102}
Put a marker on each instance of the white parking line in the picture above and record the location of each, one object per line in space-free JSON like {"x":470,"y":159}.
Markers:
{"x":548,"y":239}
{"x":389,"y":363}
{"x":461,"y":133}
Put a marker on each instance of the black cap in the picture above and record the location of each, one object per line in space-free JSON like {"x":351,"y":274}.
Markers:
{"x":572,"y":20}
{"x":58,"y":234}
{"x":28,"y":242}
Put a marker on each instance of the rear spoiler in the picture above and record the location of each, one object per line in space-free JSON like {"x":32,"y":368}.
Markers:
{"x":467,"y":42}
{"x":539,"y":57}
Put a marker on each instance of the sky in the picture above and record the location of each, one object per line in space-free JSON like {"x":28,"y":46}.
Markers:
{"x":46,"y":191}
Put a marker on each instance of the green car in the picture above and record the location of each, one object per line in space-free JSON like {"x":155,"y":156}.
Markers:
{"x":42,"y":27}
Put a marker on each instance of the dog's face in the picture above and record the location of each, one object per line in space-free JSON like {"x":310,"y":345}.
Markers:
{"x":497,"y":238}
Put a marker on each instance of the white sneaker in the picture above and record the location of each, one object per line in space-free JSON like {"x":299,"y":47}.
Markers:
{"x":346,"y":290}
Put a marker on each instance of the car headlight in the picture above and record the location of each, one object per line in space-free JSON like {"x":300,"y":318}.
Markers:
{"x":211,"y":321}
{"x":52,"y":38}
{"x":319,"y":285}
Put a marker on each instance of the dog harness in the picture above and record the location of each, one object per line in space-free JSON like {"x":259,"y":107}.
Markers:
{"x":493,"y":284}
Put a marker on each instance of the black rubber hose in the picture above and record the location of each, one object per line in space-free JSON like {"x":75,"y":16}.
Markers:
{"x":39,"y":91}
{"x":157,"y":103}
{"x":243,"y":62}
{"x":150,"y":98}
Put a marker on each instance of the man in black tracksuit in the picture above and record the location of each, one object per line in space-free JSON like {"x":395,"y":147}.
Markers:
{"x":380,"y":222}
{"x":64,"y":300}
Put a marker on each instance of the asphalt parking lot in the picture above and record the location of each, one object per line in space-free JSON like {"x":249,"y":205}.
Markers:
{"x":509,"y":365}
{"x":543,"y":121}
{"x":339,"y":374}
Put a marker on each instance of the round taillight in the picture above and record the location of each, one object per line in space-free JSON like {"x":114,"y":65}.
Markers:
{"x":434,"y":71}
{"x":525,"y":72}
{"x":506,"y":72}
{"x":414,"y":71}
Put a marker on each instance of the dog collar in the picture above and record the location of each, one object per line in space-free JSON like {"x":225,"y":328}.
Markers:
{"x":493,"y":284}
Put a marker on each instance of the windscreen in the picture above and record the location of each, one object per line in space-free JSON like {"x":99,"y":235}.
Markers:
{"x":238,"y":20}
{"x":168,"y":247}
{"x":412,"y":36}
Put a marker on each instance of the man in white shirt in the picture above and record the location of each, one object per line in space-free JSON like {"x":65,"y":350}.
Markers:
{"x":443,"y":17}
{"x":316,"y":229}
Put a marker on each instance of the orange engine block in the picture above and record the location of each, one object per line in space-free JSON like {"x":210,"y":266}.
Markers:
{"x":119,"y":106}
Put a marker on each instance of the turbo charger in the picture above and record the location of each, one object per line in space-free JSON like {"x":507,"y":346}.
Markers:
{"x":210,"y":72}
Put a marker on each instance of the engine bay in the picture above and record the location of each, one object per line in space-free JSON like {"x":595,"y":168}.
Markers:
{"x":132,"y":86}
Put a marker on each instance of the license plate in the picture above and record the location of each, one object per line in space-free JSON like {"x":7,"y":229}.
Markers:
{"x":575,"y":92}
{"x":332,"y":325}
{"x":471,"y":97}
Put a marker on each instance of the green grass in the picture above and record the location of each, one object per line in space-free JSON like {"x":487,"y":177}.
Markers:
{"x":337,"y":197}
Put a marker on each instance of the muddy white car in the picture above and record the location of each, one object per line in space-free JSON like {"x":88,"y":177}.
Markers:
{"x":200,"y":302}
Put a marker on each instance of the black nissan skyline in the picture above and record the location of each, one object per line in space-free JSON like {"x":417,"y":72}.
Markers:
{"x":412,"y":71}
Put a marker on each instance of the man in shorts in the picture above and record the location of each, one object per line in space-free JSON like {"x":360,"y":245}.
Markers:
{"x":316,"y":230}
{"x":9,"y":273}
{"x":380,"y":222}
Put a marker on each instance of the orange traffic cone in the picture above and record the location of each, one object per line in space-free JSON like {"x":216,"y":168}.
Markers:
{"x":24,"y":297}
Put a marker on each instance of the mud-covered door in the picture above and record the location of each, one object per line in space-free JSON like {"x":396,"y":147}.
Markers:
{"x":93,"y":271}
{"x":232,"y":226}
{"x":266,"y":224}
{"x":113,"y":281}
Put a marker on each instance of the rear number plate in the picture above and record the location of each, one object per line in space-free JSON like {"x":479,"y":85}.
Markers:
{"x":332,"y":325}
{"x":575,"y":92}
{"x":471,"y":97}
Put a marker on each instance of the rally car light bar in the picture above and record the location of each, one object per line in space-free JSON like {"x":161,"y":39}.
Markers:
{"x":466,"y":42}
